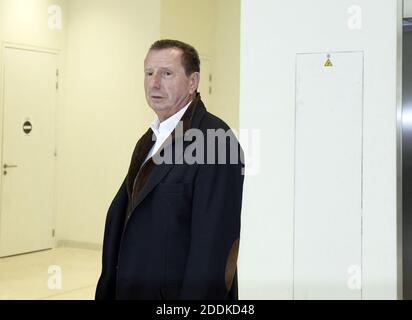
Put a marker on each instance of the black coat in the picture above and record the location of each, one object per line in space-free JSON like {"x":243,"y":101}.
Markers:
{"x":181,"y":235}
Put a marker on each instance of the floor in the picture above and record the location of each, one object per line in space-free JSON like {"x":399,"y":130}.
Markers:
{"x":55,"y":274}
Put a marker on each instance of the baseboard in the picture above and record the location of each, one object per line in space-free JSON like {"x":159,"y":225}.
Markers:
{"x":79,"y":245}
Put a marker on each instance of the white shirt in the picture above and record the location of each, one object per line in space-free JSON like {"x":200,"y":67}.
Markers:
{"x":163,"y":129}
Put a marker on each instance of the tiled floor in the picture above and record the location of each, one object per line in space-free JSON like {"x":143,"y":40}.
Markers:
{"x":56,"y":274}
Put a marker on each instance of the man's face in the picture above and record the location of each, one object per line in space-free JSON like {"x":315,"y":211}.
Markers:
{"x":167,"y":87}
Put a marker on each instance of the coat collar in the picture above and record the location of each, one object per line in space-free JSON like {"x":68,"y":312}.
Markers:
{"x":190,"y":119}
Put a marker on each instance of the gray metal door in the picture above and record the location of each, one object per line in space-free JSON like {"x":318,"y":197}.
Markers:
{"x":407,"y":159}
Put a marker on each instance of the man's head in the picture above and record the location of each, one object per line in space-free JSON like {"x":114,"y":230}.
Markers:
{"x":172,"y":74}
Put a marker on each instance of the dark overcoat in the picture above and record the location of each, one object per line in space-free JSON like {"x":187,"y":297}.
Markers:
{"x":172,"y":230}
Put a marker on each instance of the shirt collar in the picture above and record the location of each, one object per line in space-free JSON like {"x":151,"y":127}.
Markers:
{"x":167,"y":126}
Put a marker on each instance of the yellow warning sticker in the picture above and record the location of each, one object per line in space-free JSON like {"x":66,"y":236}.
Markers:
{"x":328,"y":63}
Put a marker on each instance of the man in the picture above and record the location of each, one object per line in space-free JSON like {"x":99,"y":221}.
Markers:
{"x":172,"y":230}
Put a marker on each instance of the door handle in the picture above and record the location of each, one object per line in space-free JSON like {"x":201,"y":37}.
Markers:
{"x":9,"y":166}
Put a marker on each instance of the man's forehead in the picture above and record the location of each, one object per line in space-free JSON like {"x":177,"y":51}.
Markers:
{"x":164,"y":57}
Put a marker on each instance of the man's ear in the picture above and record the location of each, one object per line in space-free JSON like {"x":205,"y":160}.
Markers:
{"x":194,"y":82}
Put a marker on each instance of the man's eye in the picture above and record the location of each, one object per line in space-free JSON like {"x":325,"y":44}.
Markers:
{"x":168,"y":73}
{"x":148,"y":73}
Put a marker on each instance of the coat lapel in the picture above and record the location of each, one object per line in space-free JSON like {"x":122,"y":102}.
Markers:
{"x":142,"y":148}
{"x":190,"y":119}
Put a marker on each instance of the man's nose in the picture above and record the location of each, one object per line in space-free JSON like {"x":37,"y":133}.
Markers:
{"x":155,"y":83}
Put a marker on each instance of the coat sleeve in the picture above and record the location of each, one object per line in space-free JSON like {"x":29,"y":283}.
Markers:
{"x":215,"y":228}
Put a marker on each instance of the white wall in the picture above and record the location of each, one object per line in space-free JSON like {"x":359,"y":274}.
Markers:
{"x":215,"y":32}
{"x":272,"y":32}
{"x":105,"y":110}
{"x":26,"y":22}
{"x":226,"y":78}
{"x":191,"y":21}
{"x":177,"y":16}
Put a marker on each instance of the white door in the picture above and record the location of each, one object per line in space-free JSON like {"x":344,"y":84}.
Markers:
{"x":28,"y":151}
{"x":328,"y":176}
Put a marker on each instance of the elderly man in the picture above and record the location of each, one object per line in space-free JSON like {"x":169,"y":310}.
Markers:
{"x":172,"y":230}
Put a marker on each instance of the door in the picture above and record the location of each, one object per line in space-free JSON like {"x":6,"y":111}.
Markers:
{"x":328,"y":176}
{"x":28,"y":151}
{"x":407,"y":159}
